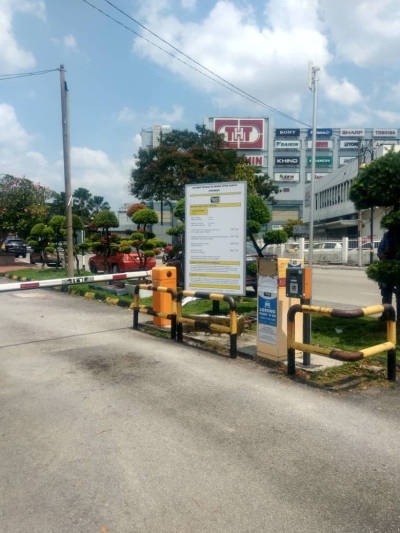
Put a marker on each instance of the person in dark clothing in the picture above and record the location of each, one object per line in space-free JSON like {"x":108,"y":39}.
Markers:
{"x":387,"y":252}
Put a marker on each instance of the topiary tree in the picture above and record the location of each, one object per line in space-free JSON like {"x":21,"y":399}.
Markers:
{"x":378,"y":185}
{"x":143,"y":240}
{"x":107,"y":243}
{"x":41,"y":239}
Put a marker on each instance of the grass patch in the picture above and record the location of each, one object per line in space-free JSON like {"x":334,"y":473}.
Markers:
{"x":40,"y":274}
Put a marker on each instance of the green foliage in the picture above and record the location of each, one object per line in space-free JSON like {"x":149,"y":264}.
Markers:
{"x":257,"y":209}
{"x":378,"y":184}
{"x":391,"y":221}
{"x":106,"y":220}
{"x":244,"y":172}
{"x":385,"y":272}
{"x":179,"y":211}
{"x":41,"y":239}
{"x":251,"y":268}
{"x":22,"y":205}
{"x":276,"y":236}
{"x":135,"y":207}
{"x":142,"y":217}
{"x":288,"y":227}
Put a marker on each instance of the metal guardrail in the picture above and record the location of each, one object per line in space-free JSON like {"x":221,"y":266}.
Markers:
{"x":148,"y":310}
{"x":231,"y":329}
{"x":389,"y":345}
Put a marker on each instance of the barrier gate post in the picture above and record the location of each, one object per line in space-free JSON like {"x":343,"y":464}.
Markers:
{"x":163,"y":277}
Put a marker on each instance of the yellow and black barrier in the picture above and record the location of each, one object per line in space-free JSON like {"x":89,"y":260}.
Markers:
{"x":389,"y":345}
{"x":231,"y":329}
{"x":147,"y":310}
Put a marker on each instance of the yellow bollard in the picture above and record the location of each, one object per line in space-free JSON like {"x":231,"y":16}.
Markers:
{"x":163,"y":277}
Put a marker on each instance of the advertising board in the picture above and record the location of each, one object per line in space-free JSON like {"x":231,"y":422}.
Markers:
{"x":346,"y":160}
{"x":321,"y":161}
{"x":318,"y":175}
{"x":320,"y":145}
{"x":215,"y":237}
{"x":385,"y":132}
{"x":287,"y":176}
{"x":352,"y":132}
{"x":287,"y":161}
{"x":285,"y":145}
{"x":285,"y":132}
{"x":241,"y":133}
{"x":321,"y":132}
{"x":348,"y":145}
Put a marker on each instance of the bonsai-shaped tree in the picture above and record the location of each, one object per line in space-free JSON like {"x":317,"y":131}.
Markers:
{"x":144,"y":241}
{"x":107,"y":243}
{"x":41,"y":239}
{"x":378,"y":184}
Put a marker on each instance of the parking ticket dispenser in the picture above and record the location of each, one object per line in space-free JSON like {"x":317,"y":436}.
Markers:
{"x":163,"y":277}
{"x":298,"y":283}
{"x":272,"y":307}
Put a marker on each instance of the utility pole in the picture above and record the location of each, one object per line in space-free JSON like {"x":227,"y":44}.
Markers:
{"x":67,"y":169}
{"x":371,"y":252}
{"x":359,"y":221}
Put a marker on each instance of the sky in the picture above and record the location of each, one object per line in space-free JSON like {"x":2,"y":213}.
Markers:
{"x":120,"y":83}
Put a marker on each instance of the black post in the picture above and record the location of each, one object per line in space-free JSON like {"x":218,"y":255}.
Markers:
{"x":391,"y":365}
{"x":291,"y":362}
{"x":233,"y":353}
{"x":173,"y":327}
{"x":215,"y":307}
{"x":179,"y":332}
{"x":371,"y":252}
{"x":306,"y":331}
{"x":135,"y":318}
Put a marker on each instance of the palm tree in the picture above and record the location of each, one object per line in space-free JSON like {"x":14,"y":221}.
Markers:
{"x":97,"y":204}
{"x":81,"y":202}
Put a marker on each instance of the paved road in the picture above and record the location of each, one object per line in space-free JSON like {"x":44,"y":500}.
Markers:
{"x":106,"y":429}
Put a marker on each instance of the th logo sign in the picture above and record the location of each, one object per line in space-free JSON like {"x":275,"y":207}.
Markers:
{"x":241,"y":133}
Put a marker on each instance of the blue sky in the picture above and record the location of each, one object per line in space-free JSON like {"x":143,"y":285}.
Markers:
{"x":120,"y":84}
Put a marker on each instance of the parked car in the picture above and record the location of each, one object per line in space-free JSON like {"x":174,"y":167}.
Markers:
{"x":16,"y":247}
{"x":119,"y":262}
{"x":49,"y":260}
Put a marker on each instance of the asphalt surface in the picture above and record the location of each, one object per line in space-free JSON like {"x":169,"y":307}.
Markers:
{"x":104,"y":429}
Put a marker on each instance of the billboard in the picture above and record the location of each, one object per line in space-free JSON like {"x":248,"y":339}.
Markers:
{"x":321,"y":161}
{"x":287,"y":161}
{"x":285,"y":145}
{"x":320,"y":145}
{"x":321,"y":132}
{"x":215,"y":237}
{"x":284,"y":132}
{"x":287,"y":176}
{"x":241,"y":133}
{"x":348,"y":145}
{"x":352,"y":132}
{"x":256,"y":160}
{"x":385,"y":132}
{"x":318,"y":175}
{"x":346,"y":160}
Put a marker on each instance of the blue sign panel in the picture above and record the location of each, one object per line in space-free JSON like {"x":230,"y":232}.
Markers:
{"x":321,"y":132}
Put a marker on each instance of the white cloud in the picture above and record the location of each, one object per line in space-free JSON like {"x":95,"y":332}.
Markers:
{"x":175,"y":116}
{"x":126,"y":115}
{"x":343,"y":91}
{"x":69,"y":41}
{"x":12,"y":134}
{"x":390,"y":117}
{"x":394,"y":91}
{"x":266,"y":57}
{"x":188,"y":4}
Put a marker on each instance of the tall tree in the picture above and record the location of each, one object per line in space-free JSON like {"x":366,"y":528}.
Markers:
{"x":81,"y":203}
{"x":22,"y":205}
{"x":185,"y":157}
{"x":97,"y":204}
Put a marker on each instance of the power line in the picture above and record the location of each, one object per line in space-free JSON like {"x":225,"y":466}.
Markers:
{"x":26,"y":74}
{"x":226,"y":84}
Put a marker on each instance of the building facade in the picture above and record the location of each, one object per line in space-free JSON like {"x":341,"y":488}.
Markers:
{"x":285,"y":154}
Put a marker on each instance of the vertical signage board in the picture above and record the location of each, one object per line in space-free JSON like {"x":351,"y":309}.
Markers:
{"x":215,"y":237}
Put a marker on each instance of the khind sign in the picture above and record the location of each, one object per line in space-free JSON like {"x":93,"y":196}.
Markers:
{"x":385,"y":132}
{"x":320,"y":145}
{"x":355,"y":132}
{"x":320,"y":161}
{"x":284,"y":145}
{"x":348,"y":145}
{"x":283,"y":132}
{"x":284,"y":176}
{"x":286,"y":161}
{"x":321,"y":132}
{"x":241,"y":133}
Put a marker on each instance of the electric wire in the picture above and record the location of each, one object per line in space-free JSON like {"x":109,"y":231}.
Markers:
{"x":226,"y":84}
{"x":26,"y":74}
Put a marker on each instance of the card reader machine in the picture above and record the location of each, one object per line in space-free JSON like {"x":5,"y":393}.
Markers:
{"x":298,"y":283}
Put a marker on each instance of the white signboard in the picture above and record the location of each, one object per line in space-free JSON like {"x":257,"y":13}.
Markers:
{"x":287,"y":176}
{"x":352,"y":132}
{"x":318,"y":175}
{"x":346,"y":160}
{"x":320,"y":145}
{"x":287,"y":145}
{"x":385,"y":132}
{"x":215,"y":237}
{"x":348,"y":145}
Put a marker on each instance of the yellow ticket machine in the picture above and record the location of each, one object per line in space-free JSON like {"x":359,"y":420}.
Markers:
{"x":272,"y":307}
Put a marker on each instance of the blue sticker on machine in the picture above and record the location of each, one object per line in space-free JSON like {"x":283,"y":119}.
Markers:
{"x":267,"y":309}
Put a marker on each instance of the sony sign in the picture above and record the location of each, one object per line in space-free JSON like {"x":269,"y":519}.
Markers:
{"x":385,"y":132}
{"x":348,"y":145}
{"x":286,"y":176}
{"x":287,"y":133}
{"x":355,"y":132}
{"x":346,"y":160}
{"x":241,"y":133}
{"x":287,"y":161}
{"x":283,"y":145}
{"x":318,"y":175}
{"x":320,"y":145}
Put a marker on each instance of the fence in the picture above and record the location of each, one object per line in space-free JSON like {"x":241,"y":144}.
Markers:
{"x":389,"y":345}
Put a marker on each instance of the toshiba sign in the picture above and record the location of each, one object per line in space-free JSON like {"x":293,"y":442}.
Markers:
{"x":385,"y":133}
{"x":241,"y":133}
